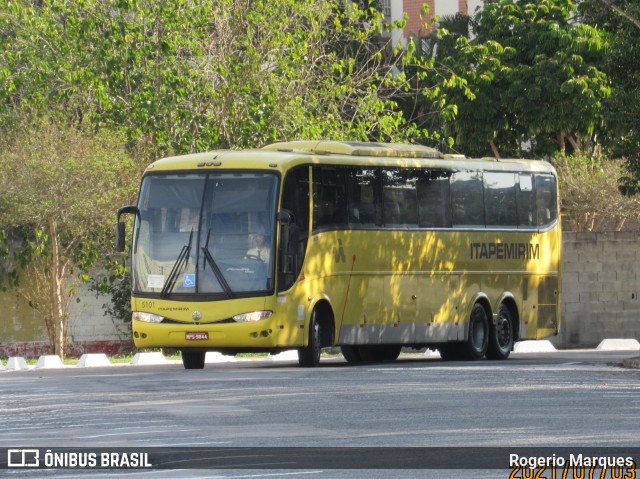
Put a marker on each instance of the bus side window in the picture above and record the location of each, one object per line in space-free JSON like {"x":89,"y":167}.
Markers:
{"x":434,"y":199}
{"x":467,"y":199}
{"x":500,"y":199}
{"x":362,"y":207}
{"x":329,"y":197}
{"x":399,"y":195}
{"x":546,"y":201}
{"x":526,"y":201}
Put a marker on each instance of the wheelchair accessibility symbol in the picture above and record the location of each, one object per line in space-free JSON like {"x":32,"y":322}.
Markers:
{"x":189,"y":281}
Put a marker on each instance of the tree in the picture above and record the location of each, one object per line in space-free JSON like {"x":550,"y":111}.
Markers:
{"x":172,"y":77}
{"x":619,"y":132}
{"x":183,"y":76}
{"x":62,"y":184}
{"x":531,"y":75}
{"x":590,"y":196}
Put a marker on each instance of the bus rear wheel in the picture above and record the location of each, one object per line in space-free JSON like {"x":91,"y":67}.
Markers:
{"x":501,"y":335}
{"x":379,"y":353}
{"x":309,"y":356}
{"x":193,"y":359}
{"x":478,"y":341}
{"x":451,"y":351}
{"x":351,"y":353}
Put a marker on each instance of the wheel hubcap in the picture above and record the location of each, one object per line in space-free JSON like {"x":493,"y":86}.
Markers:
{"x":504,"y":332}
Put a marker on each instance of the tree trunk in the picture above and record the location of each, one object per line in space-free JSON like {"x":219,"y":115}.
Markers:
{"x":57,"y":281}
{"x":494,"y":149}
{"x":561,"y":142}
{"x":574,"y":144}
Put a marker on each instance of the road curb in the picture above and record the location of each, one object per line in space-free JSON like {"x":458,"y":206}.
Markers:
{"x":93,"y":361}
{"x":618,"y":345}
{"x":50,"y":361}
{"x":147,"y":359}
{"x":531,"y":346}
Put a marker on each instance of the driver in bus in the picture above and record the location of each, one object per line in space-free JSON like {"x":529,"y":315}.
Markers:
{"x":261,"y":250}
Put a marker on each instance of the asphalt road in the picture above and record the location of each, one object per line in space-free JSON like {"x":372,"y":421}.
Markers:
{"x":554,"y":400}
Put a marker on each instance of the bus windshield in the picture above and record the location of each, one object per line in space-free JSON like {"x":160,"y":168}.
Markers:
{"x":207,"y":234}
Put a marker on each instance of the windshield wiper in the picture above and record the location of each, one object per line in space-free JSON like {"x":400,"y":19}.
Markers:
{"x":216,"y":270}
{"x":179,"y":265}
{"x":206,"y":247}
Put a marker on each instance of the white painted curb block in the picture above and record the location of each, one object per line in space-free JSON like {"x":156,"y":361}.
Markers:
{"x":543,"y":346}
{"x":93,"y":361}
{"x":213,"y":357}
{"x":49,"y":362}
{"x":17,"y":363}
{"x":432,"y":353}
{"x":1,"y":366}
{"x":291,"y":355}
{"x":144,"y":359}
{"x":618,"y":345}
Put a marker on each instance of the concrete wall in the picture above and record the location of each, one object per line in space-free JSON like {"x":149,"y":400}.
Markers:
{"x":23,"y":332}
{"x":87,"y":321}
{"x":600,"y":287}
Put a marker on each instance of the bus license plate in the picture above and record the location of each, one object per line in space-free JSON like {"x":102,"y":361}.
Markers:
{"x":197,"y":336}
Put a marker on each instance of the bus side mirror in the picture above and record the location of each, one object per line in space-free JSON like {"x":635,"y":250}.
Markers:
{"x":120,"y":237}
{"x":120,"y":226}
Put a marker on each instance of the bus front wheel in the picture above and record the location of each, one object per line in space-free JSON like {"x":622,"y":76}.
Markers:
{"x":309,"y":356}
{"x":501,"y":336}
{"x":478,"y":340}
{"x":193,"y":359}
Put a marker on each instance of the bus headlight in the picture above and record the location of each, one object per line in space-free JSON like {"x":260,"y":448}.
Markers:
{"x":147,"y":317}
{"x":255,"y":316}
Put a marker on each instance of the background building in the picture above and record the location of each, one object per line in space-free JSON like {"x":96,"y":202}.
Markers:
{"x":394,"y":10}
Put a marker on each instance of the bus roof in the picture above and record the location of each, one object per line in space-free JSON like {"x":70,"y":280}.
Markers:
{"x":351,"y":148}
{"x":285,"y":155}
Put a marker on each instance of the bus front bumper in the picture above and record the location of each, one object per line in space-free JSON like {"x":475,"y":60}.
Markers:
{"x":258,"y":335}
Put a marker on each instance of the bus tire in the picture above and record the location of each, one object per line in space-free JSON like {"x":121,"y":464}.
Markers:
{"x":451,"y":351}
{"x":351,"y":354}
{"x":309,"y":356}
{"x":368,"y":354}
{"x":378,"y":354}
{"x":193,"y":359}
{"x":390,"y":353}
{"x":501,"y":335}
{"x":478,"y":340}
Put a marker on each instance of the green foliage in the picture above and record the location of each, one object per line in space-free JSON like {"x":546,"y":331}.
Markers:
{"x":62,"y":182}
{"x":530,"y":74}
{"x":590,"y":197}
{"x":163,"y":78}
{"x":64,"y":172}
{"x":620,"y":134}
{"x":184,"y":76}
{"x":116,"y":285}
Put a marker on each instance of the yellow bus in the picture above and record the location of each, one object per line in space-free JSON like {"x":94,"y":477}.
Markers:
{"x":371,"y":247}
